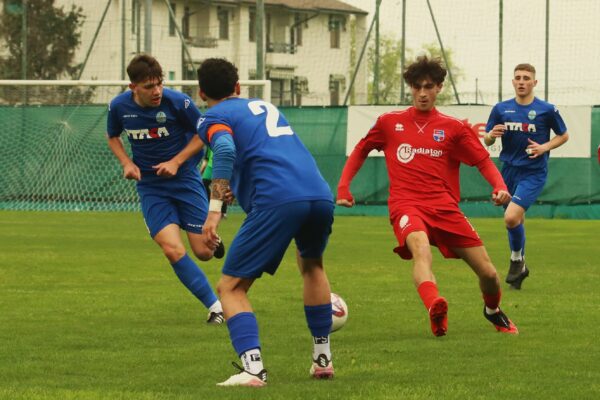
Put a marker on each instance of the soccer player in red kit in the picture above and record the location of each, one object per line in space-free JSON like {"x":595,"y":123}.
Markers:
{"x":423,"y":150}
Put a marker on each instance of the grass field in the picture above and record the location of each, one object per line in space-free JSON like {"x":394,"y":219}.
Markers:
{"x":90,"y":309}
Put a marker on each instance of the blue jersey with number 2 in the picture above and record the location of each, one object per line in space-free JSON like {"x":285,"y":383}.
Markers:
{"x":272,"y":166}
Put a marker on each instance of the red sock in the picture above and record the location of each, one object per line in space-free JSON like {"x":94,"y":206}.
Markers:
{"x":492,"y":300}
{"x":428,"y":291}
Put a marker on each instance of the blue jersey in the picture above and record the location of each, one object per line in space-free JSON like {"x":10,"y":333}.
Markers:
{"x":533,"y":121}
{"x":272,"y":166}
{"x":156,"y":134}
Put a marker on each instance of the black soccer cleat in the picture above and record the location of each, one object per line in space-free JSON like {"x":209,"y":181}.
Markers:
{"x":215,"y":318}
{"x":515,"y":270}
{"x":516,"y":284}
{"x":220,"y":250}
{"x":501,"y":322}
{"x":321,"y":368}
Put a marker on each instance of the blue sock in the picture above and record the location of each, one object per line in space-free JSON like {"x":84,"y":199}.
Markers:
{"x":195,"y":280}
{"x":243,"y":331}
{"x":319,"y":319}
{"x":516,"y":238}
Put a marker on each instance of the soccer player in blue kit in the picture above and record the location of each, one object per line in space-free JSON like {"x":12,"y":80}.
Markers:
{"x":523,"y":123}
{"x":160,"y":125}
{"x":277,"y":183}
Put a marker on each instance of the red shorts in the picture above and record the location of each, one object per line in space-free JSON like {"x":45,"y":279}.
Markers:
{"x":444,"y":228}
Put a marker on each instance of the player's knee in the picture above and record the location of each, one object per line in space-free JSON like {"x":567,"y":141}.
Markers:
{"x":203,"y":253}
{"x":511,"y":220}
{"x":489,"y":274}
{"x":173,"y":252}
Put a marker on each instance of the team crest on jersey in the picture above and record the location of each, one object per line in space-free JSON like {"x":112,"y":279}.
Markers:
{"x":399,"y":127}
{"x":531,"y":115}
{"x":438,"y":135}
{"x":161,"y":117}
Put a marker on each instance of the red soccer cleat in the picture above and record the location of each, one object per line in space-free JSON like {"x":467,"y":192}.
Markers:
{"x":438,"y":315}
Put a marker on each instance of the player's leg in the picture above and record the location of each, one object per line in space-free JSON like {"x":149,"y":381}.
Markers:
{"x":258,"y":247}
{"x":479,"y":261}
{"x":514,"y":218}
{"x":424,"y":280}
{"x":188,"y":272}
{"x":162,"y":219}
{"x":311,"y":241}
{"x":243,"y":331}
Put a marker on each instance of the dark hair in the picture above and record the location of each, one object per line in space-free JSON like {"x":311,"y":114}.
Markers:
{"x":525,"y":67}
{"x":423,"y":68}
{"x":144,"y":67}
{"x":217,"y":78}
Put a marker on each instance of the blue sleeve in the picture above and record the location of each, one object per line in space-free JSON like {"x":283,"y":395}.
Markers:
{"x":493,"y":120}
{"x":556,"y":123}
{"x":189,"y":112}
{"x":114,"y":128}
{"x":224,"y":154}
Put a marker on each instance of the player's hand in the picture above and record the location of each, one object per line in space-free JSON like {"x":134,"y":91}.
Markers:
{"x":497,"y":131}
{"x":501,"y":197}
{"x":168,"y":169}
{"x":210,"y":227}
{"x":131,"y":171}
{"x":229,"y":197}
{"x":345,"y":202}
{"x":534,"y":149}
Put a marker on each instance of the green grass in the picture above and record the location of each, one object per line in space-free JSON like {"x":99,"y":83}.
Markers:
{"x":90,"y":309}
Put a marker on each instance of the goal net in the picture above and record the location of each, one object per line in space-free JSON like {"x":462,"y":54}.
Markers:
{"x":53,"y":150}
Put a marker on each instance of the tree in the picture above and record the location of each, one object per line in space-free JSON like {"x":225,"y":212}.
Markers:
{"x":53,"y":36}
{"x":390,"y":76}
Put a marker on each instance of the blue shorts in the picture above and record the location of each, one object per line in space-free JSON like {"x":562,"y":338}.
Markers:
{"x":525,"y":185}
{"x":181,"y":201}
{"x":265,"y":235}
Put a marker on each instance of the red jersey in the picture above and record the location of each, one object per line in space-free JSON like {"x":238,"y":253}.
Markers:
{"x":423,"y":152}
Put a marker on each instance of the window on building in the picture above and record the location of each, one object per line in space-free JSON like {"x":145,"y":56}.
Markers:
{"x":171,"y":20}
{"x":296,"y":31}
{"x":171,"y":75}
{"x":336,"y":25}
{"x":223,"y":17}
{"x":135,"y":16}
{"x":337,"y":85}
{"x":252,"y":26}
{"x":185,"y":22}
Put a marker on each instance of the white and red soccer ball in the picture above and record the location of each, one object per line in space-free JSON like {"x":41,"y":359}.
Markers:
{"x":339,"y":313}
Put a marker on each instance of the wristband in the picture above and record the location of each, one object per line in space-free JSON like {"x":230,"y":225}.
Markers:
{"x":215,"y":205}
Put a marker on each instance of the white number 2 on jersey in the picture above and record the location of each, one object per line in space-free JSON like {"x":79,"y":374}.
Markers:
{"x":258,"y":107}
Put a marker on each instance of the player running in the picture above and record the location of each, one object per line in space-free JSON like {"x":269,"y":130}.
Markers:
{"x":277,"y":183}
{"x":160,"y":125}
{"x":523,"y":123}
{"x":423,"y":150}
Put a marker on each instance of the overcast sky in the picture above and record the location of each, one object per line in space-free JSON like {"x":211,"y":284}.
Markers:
{"x":470,"y":29}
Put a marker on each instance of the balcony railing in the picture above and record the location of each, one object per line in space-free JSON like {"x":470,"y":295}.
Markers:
{"x":206,"y":42}
{"x":288,"y":48}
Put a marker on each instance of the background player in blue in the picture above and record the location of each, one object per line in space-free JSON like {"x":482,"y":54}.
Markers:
{"x":160,"y":125}
{"x":278,"y":185}
{"x":524,"y":124}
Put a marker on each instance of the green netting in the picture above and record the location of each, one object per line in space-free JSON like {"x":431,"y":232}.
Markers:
{"x":56,"y":158}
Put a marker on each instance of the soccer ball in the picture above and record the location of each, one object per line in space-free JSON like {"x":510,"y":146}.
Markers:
{"x":339,"y":313}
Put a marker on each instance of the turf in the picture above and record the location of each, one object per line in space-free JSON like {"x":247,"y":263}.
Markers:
{"x":90,"y":309}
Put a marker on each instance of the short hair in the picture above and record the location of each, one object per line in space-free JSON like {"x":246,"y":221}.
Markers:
{"x":525,"y":67}
{"x":144,"y":67}
{"x":217,"y":78}
{"x":423,"y":68}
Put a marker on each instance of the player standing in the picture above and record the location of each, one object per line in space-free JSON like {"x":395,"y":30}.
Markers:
{"x":277,"y":183}
{"x":524,"y":123}
{"x":160,"y":125}
{"x":423,"y":150}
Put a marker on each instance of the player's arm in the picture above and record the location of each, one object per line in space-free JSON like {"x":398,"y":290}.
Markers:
{"x":224,"y":155}
{"x":351,"y":168}
{"x":535,"y":149}
{"x":169,"y":168}
{"x":494,"y":128}
{"x":488,"y":170}
{"x":130,"y":170}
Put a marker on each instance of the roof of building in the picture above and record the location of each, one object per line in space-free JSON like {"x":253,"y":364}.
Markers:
{"x":313,"y":5}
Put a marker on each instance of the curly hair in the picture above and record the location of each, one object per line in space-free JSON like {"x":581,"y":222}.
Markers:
{"x":423,"y":68}
{"x":144,"y":67}
{"x":217,"y":78}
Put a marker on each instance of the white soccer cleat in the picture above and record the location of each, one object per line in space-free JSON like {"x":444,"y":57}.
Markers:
{"x":245,"y":378}
{"x":321,"y":368}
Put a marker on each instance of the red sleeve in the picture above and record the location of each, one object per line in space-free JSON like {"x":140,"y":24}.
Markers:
{"x":468,"y":149}
{"x":488,"y":170}
{"x":373,"y":140}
